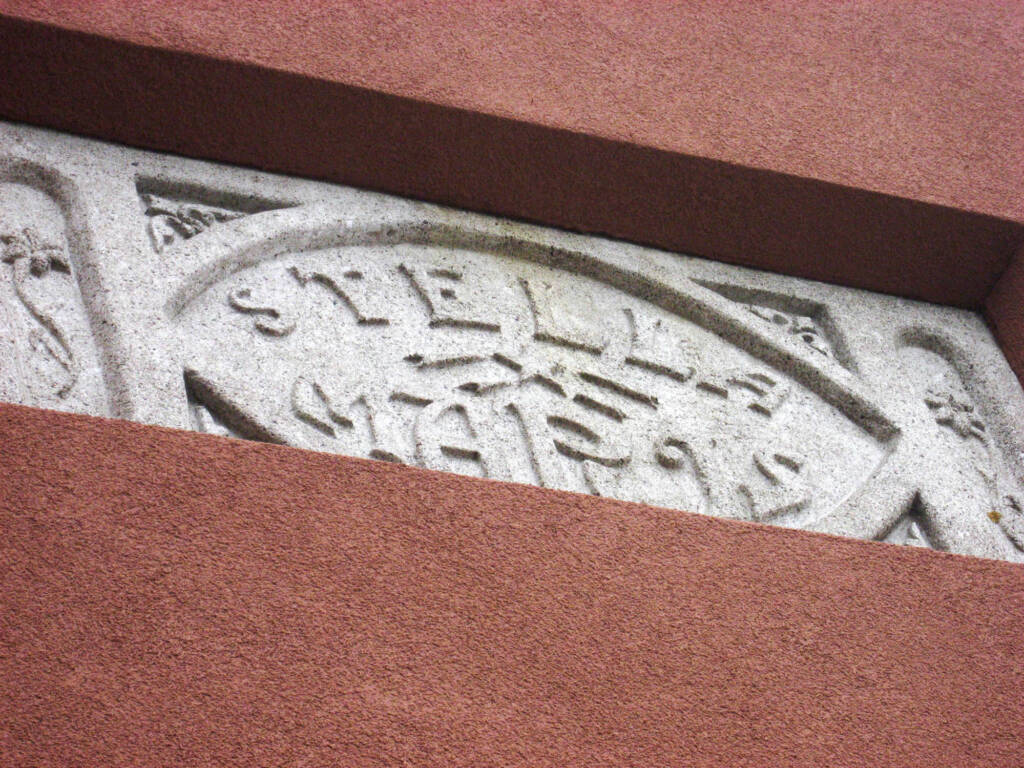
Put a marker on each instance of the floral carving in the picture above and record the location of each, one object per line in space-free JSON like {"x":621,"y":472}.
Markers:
{"x":801,"y":326}
{"x":172,"y":220}
{"x":33,"y":257}
{"x":954,"y":411}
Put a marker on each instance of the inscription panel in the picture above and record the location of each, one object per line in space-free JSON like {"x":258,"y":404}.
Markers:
{"x":259,"y":307}
{"x":506,"y":369}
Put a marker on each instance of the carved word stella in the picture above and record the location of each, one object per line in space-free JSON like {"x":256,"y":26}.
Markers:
{"x":579,"y":390}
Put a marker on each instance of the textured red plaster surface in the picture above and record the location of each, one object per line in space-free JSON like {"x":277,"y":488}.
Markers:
{"x":873,"y":144}
{"x":922,"y":101}
{"x":179,"y":599}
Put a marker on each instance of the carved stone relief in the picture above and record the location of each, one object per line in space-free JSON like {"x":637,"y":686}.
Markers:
{"x":804,"y":321}
{"x":47,"y":355}
{"x":368,"y":326}
{"x":177,"y":212}
{"x":508,"y":369}
{"x":171,"y":220}
{"x":943,"y":486}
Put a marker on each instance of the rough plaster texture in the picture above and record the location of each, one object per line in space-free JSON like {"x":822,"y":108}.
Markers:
{"x":868,"y":144}
{"x":922,"y":101}
{"x":197,"y":296}
{"x":180,"y":599}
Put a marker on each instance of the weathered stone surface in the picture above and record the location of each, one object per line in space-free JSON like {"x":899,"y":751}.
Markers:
{"x":192,"y":295}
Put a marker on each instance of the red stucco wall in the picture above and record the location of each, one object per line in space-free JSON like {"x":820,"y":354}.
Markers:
{"x":180,"y":599}
{"x":872,"y":144}
{"x":922,"y":101}
{"x":176,"y":599}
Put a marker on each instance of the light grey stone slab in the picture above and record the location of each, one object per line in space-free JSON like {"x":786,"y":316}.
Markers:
{"x":199,"y":296}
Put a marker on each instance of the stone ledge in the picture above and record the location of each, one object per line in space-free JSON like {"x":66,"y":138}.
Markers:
{"x":1004,"y":308}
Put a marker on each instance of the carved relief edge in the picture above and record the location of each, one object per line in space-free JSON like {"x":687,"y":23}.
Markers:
{"x":64,"y":191}
{"x":244,"y":243}
{"x":886,"y":497}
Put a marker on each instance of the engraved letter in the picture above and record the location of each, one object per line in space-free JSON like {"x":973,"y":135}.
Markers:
{"x":436,"y":441}
{"x":563,"y":429}
{"x":767,"y":392}
{"x":359,"y":288}
{"x":655,"y":349}
{"x":268,"y":320}
{"x":441,"y":289}
{"x":780,"y":486}
{"x":311,"y":404}
{"x":555,"y":325}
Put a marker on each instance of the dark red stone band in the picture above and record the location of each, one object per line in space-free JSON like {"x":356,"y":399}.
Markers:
{"x":173,"y":598}
{"x":1004,"y":309}
{"x":926,"y":217}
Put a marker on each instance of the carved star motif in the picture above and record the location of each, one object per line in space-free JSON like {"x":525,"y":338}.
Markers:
{"x":955,"y":412}
{"x":529,"y":368}
{"x":30,"y":244}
